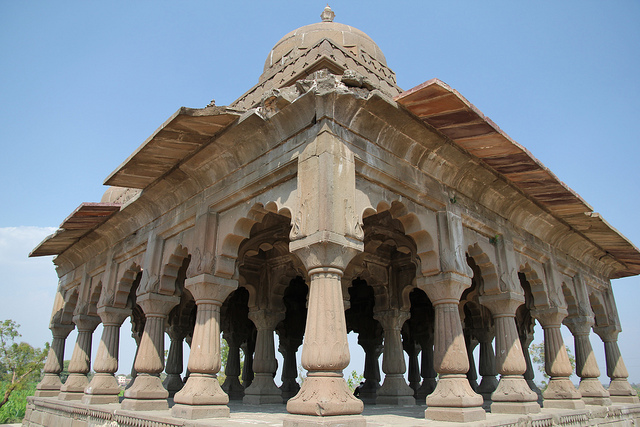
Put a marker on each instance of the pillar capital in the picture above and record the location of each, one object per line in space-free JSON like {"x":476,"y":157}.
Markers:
{"x":61,"y":330}
{"x":156,"y":305}
{"x":579,"y":325}
{"x":607,"y":333}
{"x":550,"y":317}
{"x":112,"y":316}
{"x":266,"y":319}
{"x":391,"y":319}
{"x":86,"y":323}
{"x":210,"y":288}
{"x":326,"y":250}
{"x":504,"y":304}
{"x":445,"y":287}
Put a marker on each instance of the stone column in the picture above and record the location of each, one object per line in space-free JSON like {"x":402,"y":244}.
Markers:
{"x":104,"y":387}
{"x":80,"y":364}
{"x":50,"y":384}
{"x":325,"y":350}
{"x":394,"y":390}
{"x":472,"y":373}
{"x":263,"y":389}
{"x":288,"y":348}
{"x":560,"y":393}
{"x":619,"y":389}
{"x":202,"y":396}
{"x":231,"y":384}
{"x":453,"y":399}
{"x":247,"y":369}
{"x":526,"y":339}
{"x":372,"y":349}
{"x":591,"y":389}
{"x":513,"y":395}
{"x":487,"y":364}
{"x":147,"y":392}
{"x":427,"y":371}
{"x":413,"y":374}
{"x":173,"y":382}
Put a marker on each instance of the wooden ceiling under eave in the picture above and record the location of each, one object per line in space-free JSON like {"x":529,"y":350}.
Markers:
{"x":87,"y":217}
{"x":184,"y":133}
{"x":435,"y":103}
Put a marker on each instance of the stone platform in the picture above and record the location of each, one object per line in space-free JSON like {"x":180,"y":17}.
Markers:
{"x":51,"y":412}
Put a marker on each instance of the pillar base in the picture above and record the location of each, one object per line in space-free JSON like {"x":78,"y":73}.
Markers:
{"x":73,"y":388}
{"x":593,"y":393}
{"x":233,"y":388}
{"x":324,"y":394}
{"x":201,"y":389}
{"x":146,"y":394}
{"x":458,"y":415}
{"x":311,"y":421}
{"x":621,"y":391}
{"x":515,"y":407}
{"x":395,"y":391}
{"x":173,"y":384}
{"x":196,"y":412}
{"x":562,"y":394}
{"x":102,"y":384}
{"x":289,"y":388}
{"x":262,"y":391}
{"x":427,"y":387}
{"x":49,"y":386}
{"x":100,"y":399}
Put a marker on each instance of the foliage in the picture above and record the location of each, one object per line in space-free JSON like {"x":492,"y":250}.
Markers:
{"x":20,"y":364}
{"x":353,"y":380}
{"x":13,"y":411}
{"x":536,"y":351}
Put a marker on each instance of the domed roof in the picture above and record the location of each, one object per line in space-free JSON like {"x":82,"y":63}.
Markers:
{"x":351,"y":39}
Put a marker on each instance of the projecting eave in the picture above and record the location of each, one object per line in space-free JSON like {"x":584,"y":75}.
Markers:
{"x":87,"y":217}
{"x":443,"y":108}
{"x":184,"y":133}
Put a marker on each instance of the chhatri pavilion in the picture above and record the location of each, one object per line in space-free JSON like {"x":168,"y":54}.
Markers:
{"x":327,"y":200}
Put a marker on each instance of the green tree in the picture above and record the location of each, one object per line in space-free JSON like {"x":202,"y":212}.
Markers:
{"x":353,"y":380}
{"x":536,"y":351}
{"x":20,"y":363}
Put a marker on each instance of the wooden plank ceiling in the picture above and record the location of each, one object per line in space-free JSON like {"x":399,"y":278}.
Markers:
{"x":181,"y":135}
{"x":445,"y":109}
{"x":84,"y":219}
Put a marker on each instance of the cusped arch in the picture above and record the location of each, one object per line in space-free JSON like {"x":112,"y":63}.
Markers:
{"x":570,"y":300}
{"x":241,"y":230}
{"x":65,"y":307}
{"x":536,"y":285}
{"x":427,"y":254}
{"x":488,"y":271}
{"x":601,"y":317}
{"x":177,"y":260}
{"x":94,"y":297}
{"x":124,"y":284}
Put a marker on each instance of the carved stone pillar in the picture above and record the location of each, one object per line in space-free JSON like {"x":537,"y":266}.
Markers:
{"x":619,"y":389}
{"x":80,"y":364}
{"x":472,"y":373}
{"x":289,"y":347}
{"x":591,"y":389}
{"x":394,"y":389}
{"x":427,"y":371}
{"x":263,"y":389}
{"x":560,"y":393}
{"x":50,"y":384}
{"x":175,"y":364}
{"x":526,"y":338}
{"x":413,"y":374}
{"x":247,"y":370}
{"x":372,"y":350}
{"x":453,"y":399}
{"x":202,"y":396}
{"x":104,"y":387}
{"x":231,"y":384}
{"x":513,"y":395}
{"x":147,"y":392}
{"x":325,"y":351}
{"x":487,"y":364}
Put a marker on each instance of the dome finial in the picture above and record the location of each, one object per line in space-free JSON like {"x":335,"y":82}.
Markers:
{"x":327,"y":14}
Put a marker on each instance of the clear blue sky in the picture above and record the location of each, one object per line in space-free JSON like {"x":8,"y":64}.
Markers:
{"x":82,"y":84}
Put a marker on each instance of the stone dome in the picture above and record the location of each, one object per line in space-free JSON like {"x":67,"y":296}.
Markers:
{"x":351,"y":39}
